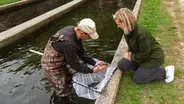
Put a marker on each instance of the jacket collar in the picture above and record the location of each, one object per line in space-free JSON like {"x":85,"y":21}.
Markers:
{"x":134,"y":30}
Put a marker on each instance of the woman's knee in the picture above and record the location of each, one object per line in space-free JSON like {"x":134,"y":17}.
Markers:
{"x":125,"y":64}
{"x":121,"y":64}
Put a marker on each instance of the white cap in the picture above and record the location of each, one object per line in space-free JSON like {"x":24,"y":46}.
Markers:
{"x":88,"y":26}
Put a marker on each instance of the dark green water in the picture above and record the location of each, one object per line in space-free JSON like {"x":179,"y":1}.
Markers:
{"x":21,"y":78}
{"x":20,"y":15}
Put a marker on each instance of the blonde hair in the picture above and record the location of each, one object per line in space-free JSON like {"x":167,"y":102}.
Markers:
{"x":126,"y":17}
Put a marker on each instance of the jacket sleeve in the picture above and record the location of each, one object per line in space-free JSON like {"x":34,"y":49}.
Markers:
{"x":70,"y":53}
{"x":144,"y":48}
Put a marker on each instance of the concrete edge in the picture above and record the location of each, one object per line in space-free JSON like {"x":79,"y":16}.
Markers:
{"x":6,"y":7}
{"x":13,"y":34}
{"x":108,"y":96}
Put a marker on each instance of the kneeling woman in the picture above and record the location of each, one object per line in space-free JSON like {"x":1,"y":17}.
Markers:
{"x":145,"y":54}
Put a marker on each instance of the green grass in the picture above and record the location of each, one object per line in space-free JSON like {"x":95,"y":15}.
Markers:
{"x":2,"y":2}
{"x":155,"y":17}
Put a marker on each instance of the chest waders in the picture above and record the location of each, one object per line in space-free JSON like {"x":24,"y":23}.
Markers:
{"x":54,"y":65}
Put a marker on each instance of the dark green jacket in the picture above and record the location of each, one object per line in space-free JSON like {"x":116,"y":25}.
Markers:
{"x":146,"y":51}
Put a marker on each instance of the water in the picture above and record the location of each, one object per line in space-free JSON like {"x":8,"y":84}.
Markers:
{"x":21,"y":79}
{"x":20,"y":15}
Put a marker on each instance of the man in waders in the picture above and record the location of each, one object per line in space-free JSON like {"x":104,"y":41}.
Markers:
{"x":64,"y":48}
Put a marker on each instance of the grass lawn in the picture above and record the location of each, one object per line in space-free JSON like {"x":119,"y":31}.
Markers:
{"x":155,"y":16}
{"x":2,"y":2}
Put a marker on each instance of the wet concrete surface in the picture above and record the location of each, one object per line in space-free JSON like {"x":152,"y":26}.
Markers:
{"x":20,"y":15}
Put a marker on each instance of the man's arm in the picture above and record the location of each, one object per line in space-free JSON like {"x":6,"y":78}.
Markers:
{"x":70,"y":53}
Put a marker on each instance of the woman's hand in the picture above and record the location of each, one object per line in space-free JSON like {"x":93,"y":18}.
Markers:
{"x":128,"y":56}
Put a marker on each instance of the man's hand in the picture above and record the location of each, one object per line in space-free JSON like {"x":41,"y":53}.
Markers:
{"x":100,"y":65}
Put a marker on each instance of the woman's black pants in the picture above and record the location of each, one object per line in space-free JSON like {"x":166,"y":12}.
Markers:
{"x":142,"y":75}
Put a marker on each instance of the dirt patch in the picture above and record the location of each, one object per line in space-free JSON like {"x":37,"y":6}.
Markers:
{"x":181,"y":3}
{"x":176,"y":9}
{"x":146,"y":100}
